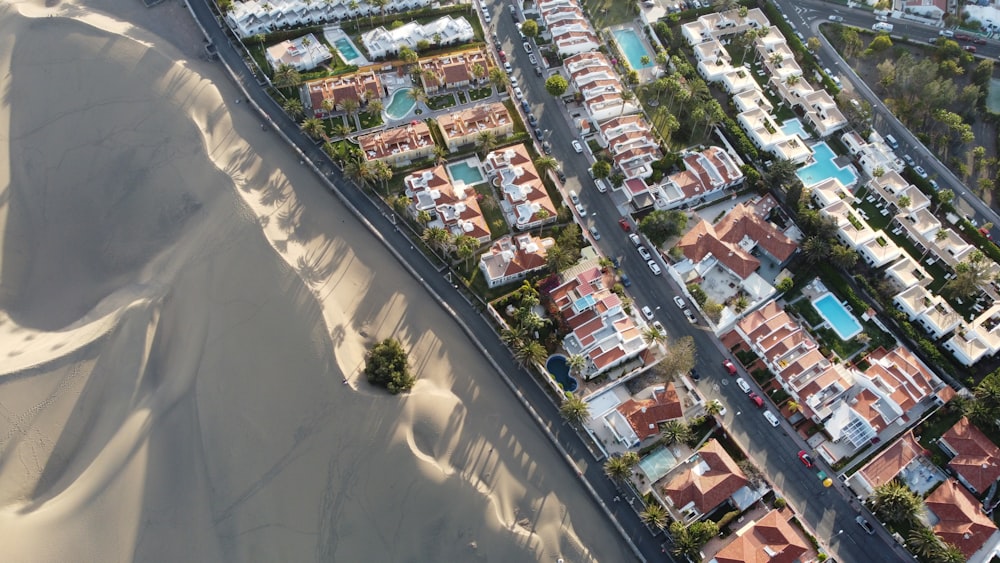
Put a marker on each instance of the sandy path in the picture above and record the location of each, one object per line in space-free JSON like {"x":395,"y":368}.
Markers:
{"x":176,"y":314}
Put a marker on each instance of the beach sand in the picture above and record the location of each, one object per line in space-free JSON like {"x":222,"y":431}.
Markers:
{"x":180,"y":300}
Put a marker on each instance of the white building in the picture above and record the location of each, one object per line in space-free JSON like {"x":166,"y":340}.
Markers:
{"x":513,"y":257}
{"x":251,"y":17}
{"x":303,"y":53}
{"x":872,"y":154}
{"x":382,"y":42}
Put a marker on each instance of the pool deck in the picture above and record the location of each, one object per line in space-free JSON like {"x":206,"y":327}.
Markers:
{"x":332,"y":34}
{"x":645,"y":74}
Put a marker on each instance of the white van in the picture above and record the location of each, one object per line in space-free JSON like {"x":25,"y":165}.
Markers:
{"x":882,"y":26}
{"x":892,"y":142}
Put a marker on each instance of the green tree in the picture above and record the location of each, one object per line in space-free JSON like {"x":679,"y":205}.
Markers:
{"x":713,"y":408}
{"x":689,"y":540}
{"x":660,"y":225}
{"x":577,"y":363}
{"x":785,"y":285}
{"x":619,"y":467}
{"x":655,"y":515}
{"x":881,"y":42}
{"x":465,"y":248}
{"x":293,"y":107}
{"x":314,"y":128}
{"x":740,"y":304}
{"x":843,"y":257}
{"x":816,"y":250}
{"x":923,"y":542}
{"x":970,"y":275}
{"x":950,"y":553}
{"x":652,"y":335}
{"x":680,"y":358}
{"x":944,"y":197}
{"x":531,"y":353}
{"x":498,"y":78}
{"x":574,"y":409}
{"x":556,"y":85}
{"x":601,"y":169}
{"x":529,"y":28}
{"x":543,"y":164}
{"x":895,"y":502}
{"x":386,"y":364}
{"x":285,"y":76}
{"x":674,"y":431}
{"x":486,"y":141}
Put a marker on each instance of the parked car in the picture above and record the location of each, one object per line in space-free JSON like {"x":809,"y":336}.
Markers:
{"x":679,"y":301}
{"x":534,"y":63}
{"x":722,"y":408}
{"x":693,"y":374}
{"x":532,"y":119}
{"x":562,"y":177}
{"x":635,"y":239}
{"x":643,"y":252}
{"x":527,"y":47}
{"x":506,"y":66}
{"x":659,"y":326}
{"x":538,"y":133}
{"x":486,"y":16}
{"x":503,"y":57}
{"x":920,"y":172}
{"x":625,"y":281}
{"x":518,"y":93}
{"x":525,"y":106}
{"x":755,"y":398}
{"x":653,"y":266}
{"x":547,"y":147}
{"x":970,"y":48}
{"x":743,"y":385}
{"x":513,"y":12}
{"x":730,"y":367}
{"x":577,"y":146}
{"x":514,"y":82}
{"x":623,"y":223}
{"x":647,"y":312}
{"x":690,"y":316}
{"x":865,"y":525}
{"x":934,"y":185}
{"x":909,"y":160}
{"x":771,"y":418}
{"x":806,"y":459}
{"x":962,"y":36}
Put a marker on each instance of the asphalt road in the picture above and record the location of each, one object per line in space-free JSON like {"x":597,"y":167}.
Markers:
{"x":807,"y":16}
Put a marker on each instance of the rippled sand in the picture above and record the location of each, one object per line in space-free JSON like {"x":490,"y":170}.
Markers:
{"x":179,"y":302}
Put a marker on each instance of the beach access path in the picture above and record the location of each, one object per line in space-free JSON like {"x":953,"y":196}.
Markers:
{"x":647,"y":546}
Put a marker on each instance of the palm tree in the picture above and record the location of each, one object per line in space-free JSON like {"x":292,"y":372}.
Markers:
{"x":342,"y":130}
{"x":617,"y":468}
{"x":944,"y":197}
{"x":674,"y":431}
{"x":486,"y":141}
{"x":419,"y":95}
{"x":545,"y":163}
{"x":350,"y":106}
{"x":950,"y":553}
{"x":466,"y":247}
{"x":285,"y":76}
{"x":923,"y":542}
{"x":577,"y":363}
{"x":383,"y":173}
{"x":793,"y":406}
{"x":479,"y":72}
{"x":353,"y":5}
{"x":652,"y":335}
{"x":574,"y":410}
{"x":512,"y":337}
{"x":655,"y":515}
{"x":713,"y":408}
{"x":741,"y":303}
{"x":542,"y":214}
{"x":328,"y":106}
{"x":499,"y":78}
{"x":532,"y":352}
{"x":895,"y":502}
{"x":374,"y":107}
{"x":423,"y":216}
{"x":440,"y":154}
{"x":293,"y":107}
{"x":314,"y":128}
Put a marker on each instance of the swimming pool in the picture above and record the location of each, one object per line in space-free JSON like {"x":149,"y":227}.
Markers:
{"x":839,"y":318}
{"x":401,"y":104}
{"x":630,"y":44}
{"x":794,"y":127}
{"x":658,"y":463}
{"x":824,"y":168}
{"x":558,"y":368}
{"x":465,"y":172}
{"x":346,"y":49}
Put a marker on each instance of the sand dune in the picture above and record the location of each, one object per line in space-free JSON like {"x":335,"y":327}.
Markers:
{"x":179,"y":302}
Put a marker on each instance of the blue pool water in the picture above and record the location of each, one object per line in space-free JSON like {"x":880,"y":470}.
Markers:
{"x":794,"y":126}
{"x":465,"y":172}
{"x":346,"y":49}
{"x":558,"y":368}
{"x":824,"y":168}
{"x":840,"y":319}
{"x":401,"y":104}
{"x":658,"y":463}
{"x":631,"y":45}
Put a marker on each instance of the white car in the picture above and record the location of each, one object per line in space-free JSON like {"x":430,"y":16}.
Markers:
{"x":514,"y":82}
{"x":527,"y":47}
{"x":771,"y":418}
{"x":577,"y":146}
{"x":742,"y":384}
{"x":836,"y":18}
{"x":654,"y":267}
{"x":647,"y":312}
{"x":722,"y":408}
{"x":635,"y":239}
{"x":532,"y":59}
{"x":595,"y":234}
{"x":518,"y":93}
{"x":486,"y":16}
{"x":679,"y":301}
{"x":690,"y":316}
{"x":574,"y":198}
{"x":644,"y":253}
{"x":507,"y":68}
{"x":920,"y":171}
{"x":659,"y":326}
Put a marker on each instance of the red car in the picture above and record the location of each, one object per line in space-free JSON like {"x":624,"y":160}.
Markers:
{"x":979,"y":40}
{"x":624,"y":224}
{"x":962,"y":37}
{"x":970,"y":48}
{"x":983,"y":231}
{"x":729,"y":367}
{"x":756,"y":399}
{"x":806,"y":459}
{"x":503,"y":56}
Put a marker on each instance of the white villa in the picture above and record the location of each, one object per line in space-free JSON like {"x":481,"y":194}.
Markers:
{"x":454,"y":208}
{"x":632,"y":145}
{"x":872,"y":154}
{"x":251,"y":17}
{"x":593,"y":76}
{"x":571,"y":32}
{"x":706,"y":174}
{"x":446,"y":30}
{"x":978,"y":339}
{"x":765,"y":133}
{"x":513,"y":257}
{"x":525,"y":203}
{"x":303,"y":53}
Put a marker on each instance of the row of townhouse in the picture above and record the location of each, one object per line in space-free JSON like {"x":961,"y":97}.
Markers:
{"x":853,"y":405}
{"x":570,"y":30}
{"x":446,"y":72}
{"x":252,"y":17}
{"x":971,"y":340}
{"x":785,"y":76}
{"x":873,"y":154}
{"x":592,"y":75}
{"x":446,"y":30}
{"x":599,"y":328}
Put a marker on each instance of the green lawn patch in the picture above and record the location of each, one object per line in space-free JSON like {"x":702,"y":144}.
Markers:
{"x":606,"y":13}
{"x":441,"y":102}
{"x":480,"y":93}
{"x":492,"y":212}
{"x":805,"y":310}
{"x":843,"y":349}
{"x":369,"y":120}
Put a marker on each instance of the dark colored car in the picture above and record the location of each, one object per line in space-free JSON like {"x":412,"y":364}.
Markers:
{"x":979,"y":40}
{"x":962,"y":37}
{"x":532,"y":119}
{"x":547,"y":147}
{"x":970,"y":48}
{"x":525,"y":106}
{"x":865,"y":525}
{"x":615,"y":262}
{"x":562,"y":179}
{"x":694,"y":375}
{"x":625,"y":281}
{"x":806,"y":459}
{"x":538,"y":133}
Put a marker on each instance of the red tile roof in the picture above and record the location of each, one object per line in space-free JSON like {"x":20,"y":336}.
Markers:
{"x":645,"y":416}
{"x":978,"y":459}
{"x":961,"y":520}
{"x":890,"y":462}
{"x":709,"y":489}
{"x":772,"y":539}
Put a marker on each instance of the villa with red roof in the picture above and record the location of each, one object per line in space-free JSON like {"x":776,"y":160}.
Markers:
{"x":770,"y":539}
{"x":644,"y":416}
{"x":702,"y":483}
{"x":975,"y":458}
{"x":600,"y":329}
{"x":525,"y":203}
{"x":592,"y":75}
{"x":358,"y":87}
{"x":398,"y":146}
{"x":513,"y":257}
{"x":452,"y":71}
{"x":454,"y":208}
{"x":888,"y":464}
{"x":706,"y":173}
{"x":958,"y":518}
{"x":464,"y":126}
{"x":632,"y":145}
